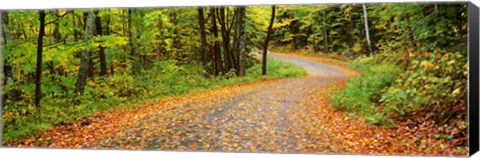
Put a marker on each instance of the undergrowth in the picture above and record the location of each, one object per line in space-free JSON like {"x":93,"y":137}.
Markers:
{"x":363,"y":92}
{"x":428,"y":82}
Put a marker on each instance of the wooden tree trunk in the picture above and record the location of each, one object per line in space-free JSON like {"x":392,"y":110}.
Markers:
{"x":203,"y":36}
{"x":325,"y":36}
{"x":5,"y":67}
{"x":85,"y":58}
{"x":366,"y":29}
{"x":38,"y":71}
{"x":241,"y":40}
{"x":3,"y":23}
{"x":265,"y":45}
{"x":130,"y":34}
{"x":101,"y":53}
{"x":217,"y":55}
{"x":225,"y":39}
{"x":6,"y":41}
{"x":107,"y":32}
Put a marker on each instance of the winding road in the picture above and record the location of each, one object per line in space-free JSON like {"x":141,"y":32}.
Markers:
{"x":268,"y":116}
{"x":273,"y":118}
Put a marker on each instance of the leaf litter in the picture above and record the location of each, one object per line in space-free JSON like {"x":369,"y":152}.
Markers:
{"x":287,"y":116}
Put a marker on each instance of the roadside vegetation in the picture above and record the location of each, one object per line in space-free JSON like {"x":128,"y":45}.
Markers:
{"x":411,"y":58}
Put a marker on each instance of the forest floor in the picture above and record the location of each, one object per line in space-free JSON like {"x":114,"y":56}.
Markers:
{"x":282,"y":115}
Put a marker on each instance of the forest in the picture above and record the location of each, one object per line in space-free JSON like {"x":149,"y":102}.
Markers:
{"x":407,"y":73}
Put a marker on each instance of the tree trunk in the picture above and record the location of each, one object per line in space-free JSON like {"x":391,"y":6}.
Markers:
{"x":85,"y":58}
{"x":8,"y":76}
{"x":107,"y":32}
{"x":203,"y":36}
{"x":217,"y":56}
{"x":99,"y":32}
{"x":130,"y":34}
{"x":366,"y":29}
{"x":241,"y":20}
{"x":325,"y":37}
{"x":265,"y":45}
{"x":3,"y":32}
{"x":38,"y":71}
{"x":6,"y":39}
{"x":225,"y":39}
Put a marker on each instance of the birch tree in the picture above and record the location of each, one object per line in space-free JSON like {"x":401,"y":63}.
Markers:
{"x":366,"y":29}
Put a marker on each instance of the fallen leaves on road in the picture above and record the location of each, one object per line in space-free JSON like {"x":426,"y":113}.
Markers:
{"x":85,"y":132}
{"x":288,"y":116}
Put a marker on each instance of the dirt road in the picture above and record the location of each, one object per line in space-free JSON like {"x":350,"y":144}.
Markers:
{"x":275,"y":117}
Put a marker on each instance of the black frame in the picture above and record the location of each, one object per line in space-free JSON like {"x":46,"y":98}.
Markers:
{"x":473,"y":78}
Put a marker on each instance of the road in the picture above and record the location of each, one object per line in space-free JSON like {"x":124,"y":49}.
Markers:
{"x":268,"y":116}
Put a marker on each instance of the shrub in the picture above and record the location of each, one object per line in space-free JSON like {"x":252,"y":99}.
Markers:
{"x":435,"y":82}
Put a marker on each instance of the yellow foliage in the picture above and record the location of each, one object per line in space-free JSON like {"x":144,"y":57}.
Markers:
{"x":456,"y":91}
{"x":426,"y":64}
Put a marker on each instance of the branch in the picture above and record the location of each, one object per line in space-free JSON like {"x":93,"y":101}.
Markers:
{"x":58,"y":17}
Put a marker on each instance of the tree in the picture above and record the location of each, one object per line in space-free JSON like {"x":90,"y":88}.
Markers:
{"x":85,"y":55}
{"x":38,"y":71}
{"x":6,"y":67}
{"x":267,"y":39}
{"x":217,"y":56}
{"x":366,"y":29}
{"x":325,"y":36}
{"x":241,"y":20}
{"x":131,"y":43}
{"x":99,"y":32}
{"x":203,"y":36}
{"x":225,"y":31}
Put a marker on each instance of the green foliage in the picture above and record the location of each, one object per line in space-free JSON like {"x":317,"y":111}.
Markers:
{"x":363,"y":92}
{"x":433,"y":81}
{"x":421,"y":27}
{"x":278,"y":69}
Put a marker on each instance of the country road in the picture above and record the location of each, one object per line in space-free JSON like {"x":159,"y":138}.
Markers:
{"x":271,"y":118}
{"x":268,"y":116}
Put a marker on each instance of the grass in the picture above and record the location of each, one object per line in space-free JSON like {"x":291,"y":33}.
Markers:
{"x":363,"y":92}
{"x":120,"y":90}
